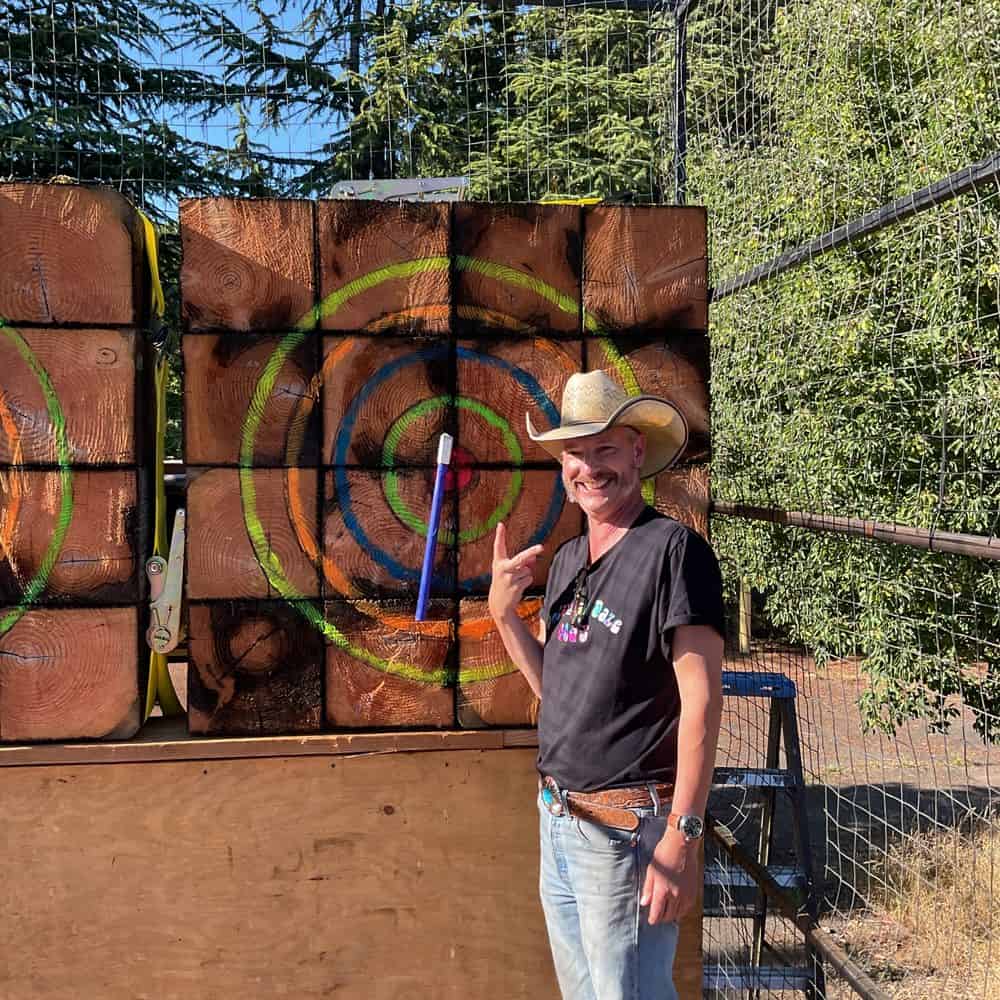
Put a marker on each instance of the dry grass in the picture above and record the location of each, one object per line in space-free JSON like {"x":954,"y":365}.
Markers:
{"x":935,"y":907}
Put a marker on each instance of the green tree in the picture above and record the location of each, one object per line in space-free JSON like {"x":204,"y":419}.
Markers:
{"x":526,"y":102}
{"x":863,"y":383}
{"x":83,"y":98}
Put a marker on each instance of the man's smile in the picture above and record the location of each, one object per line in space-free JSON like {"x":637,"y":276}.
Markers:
{"x":595,"y":485}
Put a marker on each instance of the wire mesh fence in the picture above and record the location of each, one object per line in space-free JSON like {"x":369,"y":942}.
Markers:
{"x":861,"y":382}
{"x":289,"y":97}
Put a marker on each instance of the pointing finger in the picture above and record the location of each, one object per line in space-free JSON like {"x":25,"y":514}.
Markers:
{"x":500,"y":542}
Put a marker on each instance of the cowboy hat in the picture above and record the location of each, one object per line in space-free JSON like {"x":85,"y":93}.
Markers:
{"x":592,"y":403}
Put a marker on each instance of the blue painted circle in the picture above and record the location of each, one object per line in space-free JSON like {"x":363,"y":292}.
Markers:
{"x":343,"y":441}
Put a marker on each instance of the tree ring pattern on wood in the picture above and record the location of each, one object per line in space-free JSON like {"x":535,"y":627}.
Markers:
{"x":269,"y":562}
{"x":445,"y":535}
{"x":342,"y":480}
{"x":58,"y":420}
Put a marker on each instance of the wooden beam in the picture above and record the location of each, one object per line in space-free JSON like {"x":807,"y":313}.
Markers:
{"x":645,"y":268}
{"x":247,"y":264}
{"x":221,"y":559}
{"x":69,"y":674}
{"x":69,"y":255}
{"x":221,"y":374}
{"x":683,"y":494}
{"x":673,"y":365}
{"x":491,"y":690}
{"x":99,"y":558}
{"x":534,"y":506}
{"x":379,"y":388}
{"x":161,"y":740}
{"x":541,"y":243}
{"x":501,"y":381}
{"x":369,"y":550}
{"x":373,"y":679}
{"x":92,"y":374}
{"x":255,"y":669}
{"x":376,"y":245}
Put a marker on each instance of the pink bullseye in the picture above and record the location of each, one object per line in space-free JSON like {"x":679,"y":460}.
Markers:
{"x":459,"y":473}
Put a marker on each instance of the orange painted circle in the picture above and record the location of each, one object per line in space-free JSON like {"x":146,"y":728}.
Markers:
{"x":13,"y":481}
{"x":474,"y":629}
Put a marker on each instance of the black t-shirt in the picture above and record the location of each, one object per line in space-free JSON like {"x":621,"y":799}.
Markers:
{"x":610,"y":702}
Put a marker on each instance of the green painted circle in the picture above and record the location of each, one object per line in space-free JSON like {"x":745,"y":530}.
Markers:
{"x":397,"y":503}
{"x":267,"y":558}
{"x":65,"y":515}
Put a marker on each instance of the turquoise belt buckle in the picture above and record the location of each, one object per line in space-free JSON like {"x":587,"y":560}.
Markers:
{"x":552,"y":801}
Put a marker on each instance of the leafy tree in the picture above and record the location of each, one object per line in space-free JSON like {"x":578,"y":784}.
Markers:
{"x":84,"y":99}
{"x":863,"y":383}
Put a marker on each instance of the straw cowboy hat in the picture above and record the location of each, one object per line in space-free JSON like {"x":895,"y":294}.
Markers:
{"x":592,"y":403}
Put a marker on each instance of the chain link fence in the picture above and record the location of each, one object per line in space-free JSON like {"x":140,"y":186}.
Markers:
{"x":848,"y":155}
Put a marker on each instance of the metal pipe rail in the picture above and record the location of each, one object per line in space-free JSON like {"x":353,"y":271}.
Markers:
{"x":955,"y":184}
{"x":977,"y":546}
{"x":785,"y":901}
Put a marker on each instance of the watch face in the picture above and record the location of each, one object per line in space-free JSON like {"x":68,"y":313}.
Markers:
{"x":691,"y":826}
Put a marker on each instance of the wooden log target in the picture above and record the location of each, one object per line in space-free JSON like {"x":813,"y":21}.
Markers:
{"x":222,"y":373}
{"x":247,"y":265}
{"x":98,"y":531}
{"x":69,"y":674}
{"x":386,"y":400}
{"x":645,"y":269}
{"x":427,"y":318}
{"x":520,"y":268}
{"x":374,"y":528}
{"x":674,"y":366}
{"x":533,"y":504}
{"x":683,"y":494}
{"x":254,"y":669}
{"x":68,"y":256}
{"x":384,"y":267}
{"x":499,"y":382}
{"x":391,"y":670}
{"x":225,"y":555}
{"x":491,"y":690}
{"x":75,"y":390}
{"x":92,"y":374}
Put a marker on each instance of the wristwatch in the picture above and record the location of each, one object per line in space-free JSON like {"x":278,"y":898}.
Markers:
{"x":691,"y":827}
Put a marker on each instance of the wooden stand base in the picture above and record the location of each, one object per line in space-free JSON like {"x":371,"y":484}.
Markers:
{"x":334,"y":871}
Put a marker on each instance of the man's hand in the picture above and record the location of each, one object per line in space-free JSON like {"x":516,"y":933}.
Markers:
{"x":511,"y":575}
{"x":671,"y":885}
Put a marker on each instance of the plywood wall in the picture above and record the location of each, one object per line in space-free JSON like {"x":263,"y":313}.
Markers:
{"x":393,"y":876}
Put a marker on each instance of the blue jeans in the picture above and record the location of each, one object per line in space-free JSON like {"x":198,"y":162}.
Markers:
{"x":602,"y":943}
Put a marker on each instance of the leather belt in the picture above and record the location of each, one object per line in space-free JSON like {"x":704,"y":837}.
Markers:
{"x":611,"y":807}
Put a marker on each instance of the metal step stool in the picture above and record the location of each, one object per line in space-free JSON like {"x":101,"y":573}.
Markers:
{"x":751,"y":902}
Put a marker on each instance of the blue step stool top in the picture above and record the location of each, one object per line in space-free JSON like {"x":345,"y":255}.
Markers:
{"x":756,"y":684}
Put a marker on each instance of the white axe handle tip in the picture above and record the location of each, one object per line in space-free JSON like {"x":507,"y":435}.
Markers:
{"x":444,"y":449}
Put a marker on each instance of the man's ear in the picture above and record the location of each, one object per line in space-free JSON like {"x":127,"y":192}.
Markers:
{"x":640,"y":449}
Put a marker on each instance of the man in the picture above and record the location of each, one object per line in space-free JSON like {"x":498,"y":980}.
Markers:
{"x":628,"y":667}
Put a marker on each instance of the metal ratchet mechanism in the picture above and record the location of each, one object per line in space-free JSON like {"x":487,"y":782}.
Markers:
{"x":166,"y":580}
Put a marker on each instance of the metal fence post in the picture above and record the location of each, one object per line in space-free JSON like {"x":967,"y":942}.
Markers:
{"x":680,"y":101}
